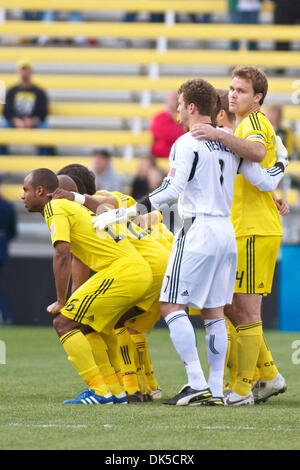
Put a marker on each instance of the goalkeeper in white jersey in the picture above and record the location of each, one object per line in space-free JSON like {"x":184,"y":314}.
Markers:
{"x":202,"y":265}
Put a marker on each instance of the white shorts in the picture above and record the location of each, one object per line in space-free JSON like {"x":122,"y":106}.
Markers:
{"x":202,"y":266}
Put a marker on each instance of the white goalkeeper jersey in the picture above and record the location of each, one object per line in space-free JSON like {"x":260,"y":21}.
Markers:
{"x":202,"y":174}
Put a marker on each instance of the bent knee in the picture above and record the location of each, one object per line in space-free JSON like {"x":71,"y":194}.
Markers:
{"x":63,"y":325}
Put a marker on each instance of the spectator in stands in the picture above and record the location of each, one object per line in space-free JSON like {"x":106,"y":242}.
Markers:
{"x":274,"y":114}
{"x":244,"y":12}
{"x":140,"y":186}
{"x":49,"y":16}
{"x":148,"y":178}
{"x":105,"y":175}
{"x":155,"y":177}
{"x":285,"y":12}
{"x":153,"y":17}
{"x":164,"y":128}
{"x":7,"y":233}
{"x":26,"y":104}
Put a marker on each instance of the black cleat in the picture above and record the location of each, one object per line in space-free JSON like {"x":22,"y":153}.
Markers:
{"x":147,"y":397}
{"x":136,"y":397}
{"x":188,"y":396}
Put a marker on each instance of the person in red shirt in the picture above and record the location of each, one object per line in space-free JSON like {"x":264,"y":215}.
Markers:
{"x":165,"y":128}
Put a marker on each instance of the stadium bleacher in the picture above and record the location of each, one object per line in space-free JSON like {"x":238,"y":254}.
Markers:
{"x":105,"y":96}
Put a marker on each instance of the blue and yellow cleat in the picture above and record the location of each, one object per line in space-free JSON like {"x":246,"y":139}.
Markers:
{"x":89,"y":397}
{"x":120,"y":399}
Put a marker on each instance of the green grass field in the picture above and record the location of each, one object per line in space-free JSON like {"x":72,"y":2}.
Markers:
{"x":37,"y":378}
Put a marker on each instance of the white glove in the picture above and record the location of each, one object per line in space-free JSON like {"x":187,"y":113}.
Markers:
{"x":281,"y":152}
{"x":114,"y":216}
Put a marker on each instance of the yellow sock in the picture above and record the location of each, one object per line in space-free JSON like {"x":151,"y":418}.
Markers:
{"x":113,"y":353}
{"x":149,"y":369}
{"x":100,"y":352}
{"x":232,"y":360}
{"x":249,"y":339}
{"x":227,"y":355}
{"x":256,"y":375}
{"x":81,"y":357}
{"x":267,"y":368}
{"x":139,"y":344}
{"x":128,"y":366}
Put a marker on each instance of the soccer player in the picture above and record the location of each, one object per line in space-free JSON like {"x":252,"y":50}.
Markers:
{"x":258,"y":232}
{"x":121,"y":279}
{"x":157,"y":257}
{"x":202,"y":266}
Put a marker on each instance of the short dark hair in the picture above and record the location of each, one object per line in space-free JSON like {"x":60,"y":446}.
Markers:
{"x":256,"y":76}
{"x":44,"y":177}
{"x":86,"y":176}
{"x":224,"y":103}
{"x":79,"y":183}
{"x":201,"y":93}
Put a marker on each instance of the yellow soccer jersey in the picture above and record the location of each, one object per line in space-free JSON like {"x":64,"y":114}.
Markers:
{"x":253,"y":211}
{"x":158,"y":231}
{"x":153,"y":252}
{"x":70,"y":222}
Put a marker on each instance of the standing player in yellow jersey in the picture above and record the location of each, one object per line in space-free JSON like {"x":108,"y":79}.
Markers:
{"x":121,"y":280}
{"x":258,"y":232}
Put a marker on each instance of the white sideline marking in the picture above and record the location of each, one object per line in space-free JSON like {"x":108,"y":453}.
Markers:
{"x":49,"y":425}
{"x":227,"y":428}
{"x":208,"y":428}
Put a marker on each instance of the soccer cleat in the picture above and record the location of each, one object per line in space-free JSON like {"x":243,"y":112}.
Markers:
{"x":147,"y":397}
{"x":233,"y":399}
{"x":89,"y":397}
{"x":187,"y":396}
{"x":120,"y":399}
{"x":136,"y":397}
{"x":156,"y":394}
{"x":214,"y":401}
{"x":226,"y":392}
{"x":264,"y":389}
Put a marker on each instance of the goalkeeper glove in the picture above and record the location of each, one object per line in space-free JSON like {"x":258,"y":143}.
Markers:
{"x":281,"y":152}
{"x":100,"y":222}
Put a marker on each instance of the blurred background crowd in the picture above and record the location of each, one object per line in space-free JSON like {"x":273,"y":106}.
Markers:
{"x":117,"y":117}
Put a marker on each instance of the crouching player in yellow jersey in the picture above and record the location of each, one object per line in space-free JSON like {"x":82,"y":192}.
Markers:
{"x":157,"y":257}
{"x":148,"y":242}
{"x":122,"y":277}
{"x":118,"y":349}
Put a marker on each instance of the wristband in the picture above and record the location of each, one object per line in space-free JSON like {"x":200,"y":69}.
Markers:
{"x":79,"y":198}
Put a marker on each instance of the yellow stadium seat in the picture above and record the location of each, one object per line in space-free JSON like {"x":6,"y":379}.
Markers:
{"x":151,"y":56}
{"x":135,"y":83}
{"x":210,"y":32}
{"x":73,"y":137}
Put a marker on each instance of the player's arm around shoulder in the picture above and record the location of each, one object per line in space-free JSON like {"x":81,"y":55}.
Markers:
{"x":252,"y":150}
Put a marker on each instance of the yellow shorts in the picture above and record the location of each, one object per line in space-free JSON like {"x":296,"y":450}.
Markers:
{"x":145,"y":322}
{"x":256,"y":262}
{"x":194,"y":311}
{"x":158,"y":264}
{"x":110,"y":293}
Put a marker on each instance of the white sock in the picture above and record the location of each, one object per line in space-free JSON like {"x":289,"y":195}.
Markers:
{"x":216,"y":345}
{"x":183,"y":337}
